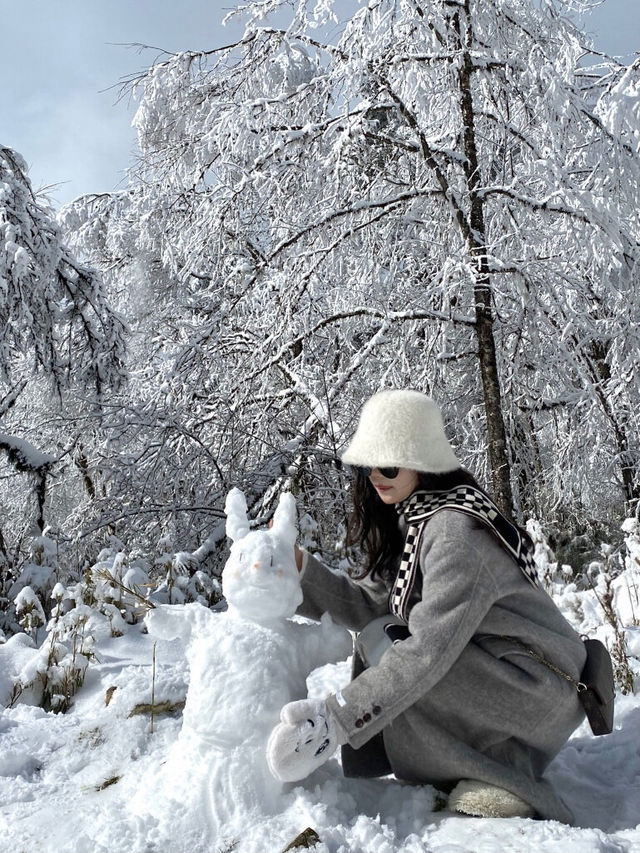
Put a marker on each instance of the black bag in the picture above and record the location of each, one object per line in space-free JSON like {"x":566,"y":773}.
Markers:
{"x":596,"y":689}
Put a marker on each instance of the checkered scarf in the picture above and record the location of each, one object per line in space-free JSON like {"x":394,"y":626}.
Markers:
{"x":421,"y":506}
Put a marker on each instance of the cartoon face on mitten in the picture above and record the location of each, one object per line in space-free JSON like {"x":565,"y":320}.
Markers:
{"x":260,"y":580}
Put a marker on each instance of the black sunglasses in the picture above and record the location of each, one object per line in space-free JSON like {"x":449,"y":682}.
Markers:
{"x":387,"y":473}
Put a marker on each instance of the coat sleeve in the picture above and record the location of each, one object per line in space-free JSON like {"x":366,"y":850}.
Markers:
{"x":351,"y":603}
{"x":458,"y":590}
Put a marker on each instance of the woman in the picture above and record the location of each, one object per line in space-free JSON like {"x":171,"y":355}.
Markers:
{"x":457,"y":701}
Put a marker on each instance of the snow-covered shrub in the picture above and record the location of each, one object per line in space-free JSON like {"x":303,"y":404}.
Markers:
{"x":122,"y":585}
{"x":549,"y":569}
{"x":51,"y":675}
{"x":173,"y":569}
{"x":603,"y":576}
{"x":577,"y":543}
{"x":69,"y":649}
{"x":29,"y":611}
{"x":37,"y":573}
{"x":309,"y":530}
{"x":114,"y":592}
{"x":181,"y":581}
{"x":602,"y":599}
{"x":107,"y":597}
{"x":628,"y":588}
{"x":102,"y":602}
{"x":116,"y":585}
{"x":17,"y":652}
{"x":203,"y":588}
{"x":179,"y":578}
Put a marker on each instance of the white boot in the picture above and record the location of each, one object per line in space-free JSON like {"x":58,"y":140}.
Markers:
{"x":484,"y":800}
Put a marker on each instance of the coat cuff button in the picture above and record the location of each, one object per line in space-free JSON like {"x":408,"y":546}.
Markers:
{"x":377,"y":710}
{"x":366,"y":717}
{"x":359,"y":723}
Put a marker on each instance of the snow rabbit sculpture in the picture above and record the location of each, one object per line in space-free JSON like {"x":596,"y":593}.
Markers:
{"x":245,"y":664}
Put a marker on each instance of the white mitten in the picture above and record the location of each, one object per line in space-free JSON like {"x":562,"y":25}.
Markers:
{"x":304,"y":739}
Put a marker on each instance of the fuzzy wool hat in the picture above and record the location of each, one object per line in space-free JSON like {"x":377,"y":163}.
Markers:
{"x":404,"y":429}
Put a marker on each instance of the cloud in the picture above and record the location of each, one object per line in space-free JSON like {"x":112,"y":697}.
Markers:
{"x":65,"y":61}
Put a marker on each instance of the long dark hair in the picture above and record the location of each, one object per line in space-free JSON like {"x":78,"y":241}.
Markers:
{"x":373,"y":525}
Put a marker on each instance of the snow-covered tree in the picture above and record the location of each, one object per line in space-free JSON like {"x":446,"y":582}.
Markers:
{"x":443,"y":197}
{"x":61,"y":354}
{"x":54,"y":317}
{"x":157,"y":462}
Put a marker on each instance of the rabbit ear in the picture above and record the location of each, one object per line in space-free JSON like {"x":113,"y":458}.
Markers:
{"x":236,"y":511}
{"x":285,"y":518}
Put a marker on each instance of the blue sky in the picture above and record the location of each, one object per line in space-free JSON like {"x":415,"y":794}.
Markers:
{"x":61,"y":60}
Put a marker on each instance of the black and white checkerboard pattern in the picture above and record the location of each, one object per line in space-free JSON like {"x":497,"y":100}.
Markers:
{"x":406,"y":573}
{"x":419,"y":508}
{"x":463,"y":497}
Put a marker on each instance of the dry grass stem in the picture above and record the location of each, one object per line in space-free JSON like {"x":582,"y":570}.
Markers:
{"x":106,"y":575}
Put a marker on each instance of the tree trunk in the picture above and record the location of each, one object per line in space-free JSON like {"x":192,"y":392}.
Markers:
{"x":476,"y":240}
{"x":598,"y":352}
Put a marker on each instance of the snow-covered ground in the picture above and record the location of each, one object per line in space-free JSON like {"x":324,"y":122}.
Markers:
{"x":86,"y":781}
{"x":103,"y":779}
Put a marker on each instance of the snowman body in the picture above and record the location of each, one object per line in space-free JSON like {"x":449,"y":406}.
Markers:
{"x":245,"y":664}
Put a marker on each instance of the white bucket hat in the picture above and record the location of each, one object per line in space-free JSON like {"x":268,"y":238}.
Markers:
{"x":403,"y":429}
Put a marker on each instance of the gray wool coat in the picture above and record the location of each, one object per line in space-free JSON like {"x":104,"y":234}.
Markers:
{"x":458,"y":699}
